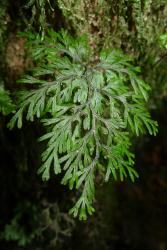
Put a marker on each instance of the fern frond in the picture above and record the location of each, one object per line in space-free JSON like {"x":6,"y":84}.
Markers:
{"x":93,"y":106}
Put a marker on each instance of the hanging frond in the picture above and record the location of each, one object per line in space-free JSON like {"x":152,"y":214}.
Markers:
{"x":89,"y":107}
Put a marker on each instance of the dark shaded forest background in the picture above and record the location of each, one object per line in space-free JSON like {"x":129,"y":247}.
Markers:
{"x":33,"y":213}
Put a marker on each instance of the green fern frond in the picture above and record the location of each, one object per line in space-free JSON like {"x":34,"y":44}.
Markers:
{"x":93,"y":106}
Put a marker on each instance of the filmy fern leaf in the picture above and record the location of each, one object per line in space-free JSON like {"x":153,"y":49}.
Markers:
{"x":89,"y":107}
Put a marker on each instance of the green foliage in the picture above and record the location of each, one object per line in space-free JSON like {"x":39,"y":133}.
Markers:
{"x":31,"y":222}
{"x":90,"y":106}
{"x":163,"y":41}
{"x":6,"y":104}
{"x":39,"y":14}
{"x":16,"y":230}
